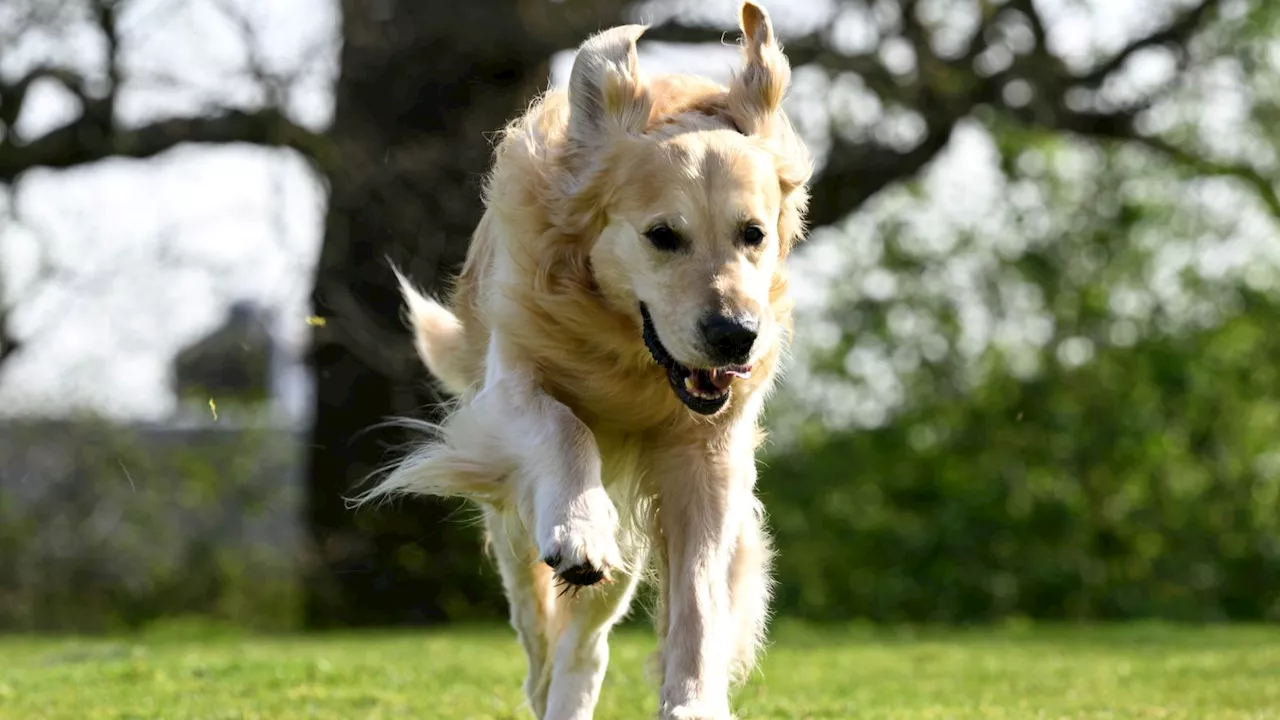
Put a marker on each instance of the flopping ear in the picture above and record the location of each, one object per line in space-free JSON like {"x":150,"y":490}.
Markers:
{"x":606,"y":91}
{"x":755,"y":102}
{"x":755,"y":96}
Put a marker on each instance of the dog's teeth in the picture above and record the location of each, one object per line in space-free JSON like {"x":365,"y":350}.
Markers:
{"x":690,"y":385}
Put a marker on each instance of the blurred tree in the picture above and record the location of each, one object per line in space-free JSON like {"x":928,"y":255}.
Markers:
{"x":421,"y":85}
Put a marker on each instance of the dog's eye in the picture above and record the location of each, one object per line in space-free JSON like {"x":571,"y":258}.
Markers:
{"x":663,"y":237}
{"x":753,"y":235}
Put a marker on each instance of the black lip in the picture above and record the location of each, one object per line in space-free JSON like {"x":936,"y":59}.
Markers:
{"x":676,"y":373}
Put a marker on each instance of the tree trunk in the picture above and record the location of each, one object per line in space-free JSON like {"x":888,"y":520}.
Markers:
{"x":422,"y":84}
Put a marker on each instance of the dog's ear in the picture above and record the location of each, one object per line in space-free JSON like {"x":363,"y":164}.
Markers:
{"x":755,"y":96}
{"x":606,"y":92}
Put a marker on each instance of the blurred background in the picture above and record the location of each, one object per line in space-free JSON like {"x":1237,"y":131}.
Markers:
{"x":1036,"y":371}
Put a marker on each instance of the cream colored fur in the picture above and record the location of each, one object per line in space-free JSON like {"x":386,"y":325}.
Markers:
{"x":566,"y":431}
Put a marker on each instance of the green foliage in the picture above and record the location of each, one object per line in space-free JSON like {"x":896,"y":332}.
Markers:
{"x":1015,"y":673}
{"x":105,"y":527}
{"x":1145,"y":483}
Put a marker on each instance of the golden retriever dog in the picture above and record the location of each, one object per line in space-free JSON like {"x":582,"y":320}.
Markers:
{"x":610,"y":341}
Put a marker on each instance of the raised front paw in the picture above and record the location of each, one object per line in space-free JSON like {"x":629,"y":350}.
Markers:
{"x":579,"y":540}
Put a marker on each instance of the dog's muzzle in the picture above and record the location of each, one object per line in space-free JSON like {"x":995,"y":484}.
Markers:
{"x":702,"y":390}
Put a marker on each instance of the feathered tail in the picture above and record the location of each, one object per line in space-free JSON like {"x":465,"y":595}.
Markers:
{"x":437,"y":335}
{"x":466,"y":455}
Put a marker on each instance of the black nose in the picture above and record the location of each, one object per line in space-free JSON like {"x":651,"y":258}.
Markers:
{"x":729,"y":338}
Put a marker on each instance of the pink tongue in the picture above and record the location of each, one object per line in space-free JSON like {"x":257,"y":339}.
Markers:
{"x":722,"y":378}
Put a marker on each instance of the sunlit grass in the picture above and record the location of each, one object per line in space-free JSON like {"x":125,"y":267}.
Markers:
{"x":1134,"y":671}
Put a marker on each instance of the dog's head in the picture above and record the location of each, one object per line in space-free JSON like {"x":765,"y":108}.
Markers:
{"x":697,"y":193}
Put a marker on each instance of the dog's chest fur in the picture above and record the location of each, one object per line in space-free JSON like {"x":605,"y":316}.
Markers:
{"x":624,"y":477}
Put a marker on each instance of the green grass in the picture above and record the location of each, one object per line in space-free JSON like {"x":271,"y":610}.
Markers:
{"x":1131,"y":671}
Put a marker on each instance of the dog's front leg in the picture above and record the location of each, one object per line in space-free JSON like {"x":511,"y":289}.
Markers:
{"x":559,"y":491}
{"x":750,"y":586}
{"x":559,"y":497}
{"x":703,"y":501}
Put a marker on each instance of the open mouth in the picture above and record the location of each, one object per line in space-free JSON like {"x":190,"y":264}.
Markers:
{"x":702,"y":390}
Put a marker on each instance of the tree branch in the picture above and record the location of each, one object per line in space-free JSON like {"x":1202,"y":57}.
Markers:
{"x":1121,"y":126}
{"x":274,"y":85}
{"x":14,"y":95}
{"x":857,"y":171}
{"x":1052,"y":112}
{"x":83,"y":141}
{"x":9,"y":345}
{"x":1177,"y":32}
{"x":814,"y":50}
{"x":105,"y":12}
{"x":1261,"y":184}
{"x":915,"y":33}
{"x":1051,"y":65}
{"x":94,"y":135}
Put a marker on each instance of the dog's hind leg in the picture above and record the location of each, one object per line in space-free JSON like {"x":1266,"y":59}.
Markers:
{"x":531,"y":599}
{"x":581,"y":655}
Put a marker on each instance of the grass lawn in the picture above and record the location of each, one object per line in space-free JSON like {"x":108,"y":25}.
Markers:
{"x":1131,"y":671}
